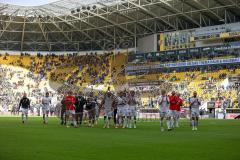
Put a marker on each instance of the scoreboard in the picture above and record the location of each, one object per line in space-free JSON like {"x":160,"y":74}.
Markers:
{"x":188,"y":38}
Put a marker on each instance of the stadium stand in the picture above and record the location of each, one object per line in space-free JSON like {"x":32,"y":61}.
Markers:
{"x":185,"y":61}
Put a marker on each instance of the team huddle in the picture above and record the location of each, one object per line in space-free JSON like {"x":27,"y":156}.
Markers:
{"x":121,"y":108}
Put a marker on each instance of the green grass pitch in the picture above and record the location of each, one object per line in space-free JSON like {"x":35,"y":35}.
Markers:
{"x":215,"y":140}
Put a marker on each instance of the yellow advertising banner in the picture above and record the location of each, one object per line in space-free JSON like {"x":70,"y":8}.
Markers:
{"x":224,"y":35}
{"x":234,"y":34}
{"x":161,"y":42}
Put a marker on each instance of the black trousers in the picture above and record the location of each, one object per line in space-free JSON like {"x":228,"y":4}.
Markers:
{"x":91,"y":116}
{"x":115,"y":115}
{"x":79,"y":117}
{"x":63,"y":116}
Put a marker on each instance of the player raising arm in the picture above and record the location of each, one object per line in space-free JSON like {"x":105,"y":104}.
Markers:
{"x":132,"y":102}
{"x":121,"y":102}
{"x":163,"y":102}
{"x":194,"y":104}
{"x":107,"y":104}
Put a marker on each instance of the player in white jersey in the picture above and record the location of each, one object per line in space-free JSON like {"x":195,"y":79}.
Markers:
{"x":194,"y":104}
{"x":163,"y":102}
{"x":121,"y":103}
{"x":46,"y":101}
{"x":132,"y":103}
{"x":127,"y":110}
{"x":97,"y":111}
{"x":107,"y":104}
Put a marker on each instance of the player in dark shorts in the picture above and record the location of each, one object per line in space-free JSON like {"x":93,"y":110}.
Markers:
{"x":90,"y":107}
{"x":115,"y":112}
{"x":80,"y":102}
{"x":63,"y":112}
{"x":25,"y":106}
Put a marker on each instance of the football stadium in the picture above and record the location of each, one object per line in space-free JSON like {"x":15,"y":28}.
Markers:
{"x":119,"y":79}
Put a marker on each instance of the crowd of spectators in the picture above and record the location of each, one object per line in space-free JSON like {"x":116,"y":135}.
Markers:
{"x":77,"y":70}
{"x":14,"y":82}
{"x":70,"y":68}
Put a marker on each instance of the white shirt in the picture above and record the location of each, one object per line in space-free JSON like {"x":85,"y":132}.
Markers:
{"x":121,"y":102}
{"x":132,"y":100}
{"x":163,"y":102}
{"x":46,"y":101}
{"x":195,"y":103}
{"x":108,"y":101}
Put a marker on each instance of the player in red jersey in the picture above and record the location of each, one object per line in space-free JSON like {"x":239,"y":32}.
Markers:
{"x":179,"y":104}
{"x":173,"y":108}
{"x":70,"y":100}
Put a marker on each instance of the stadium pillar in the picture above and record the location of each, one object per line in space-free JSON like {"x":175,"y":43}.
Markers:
{"x":50,"y":47}
{"x":114,"y":44}
{"x":135,"y":38}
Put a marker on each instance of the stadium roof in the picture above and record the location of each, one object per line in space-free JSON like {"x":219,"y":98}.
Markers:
{"x":103,"y":24}
{"x":27,"y":2}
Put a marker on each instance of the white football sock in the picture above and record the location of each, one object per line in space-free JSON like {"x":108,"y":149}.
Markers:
{"x":26,"y":118}
{"x":168,"y":124}
{"x":172,"y":123}
{"x":120,"y":121}
{"x":161,"y":123}
{"x":176,"y":123}
{"x":46,"y":118}
{"x":125,"y":122}
{"x":23,"y":117}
